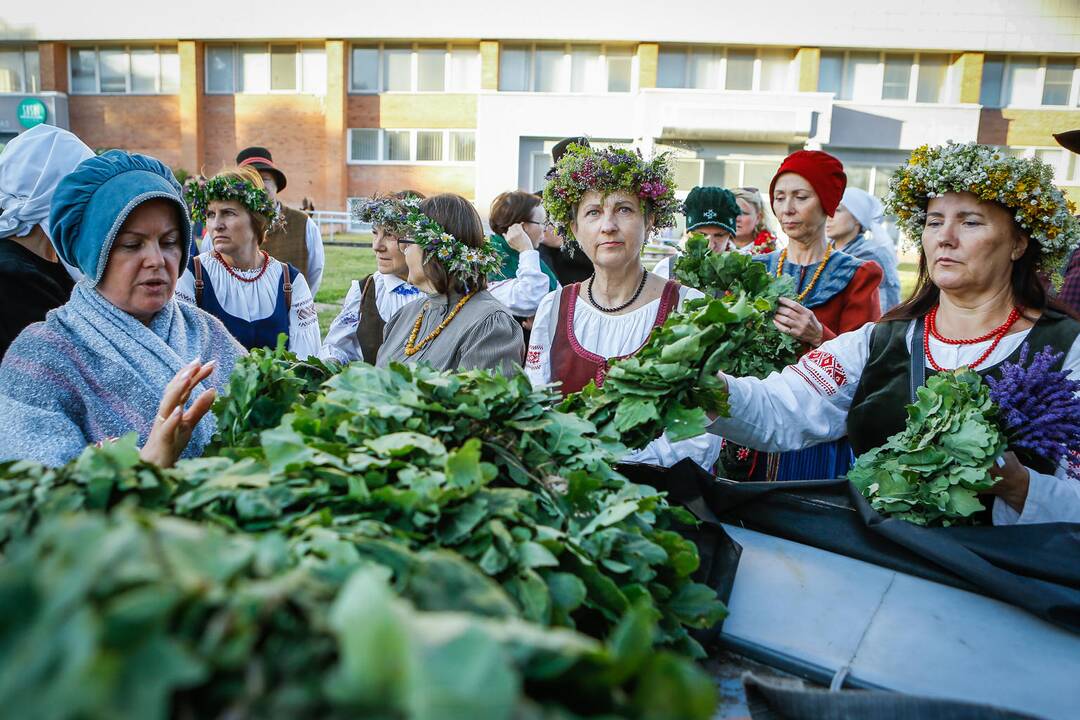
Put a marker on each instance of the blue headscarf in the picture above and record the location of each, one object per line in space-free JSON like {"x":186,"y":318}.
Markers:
{"x":92,"y":203}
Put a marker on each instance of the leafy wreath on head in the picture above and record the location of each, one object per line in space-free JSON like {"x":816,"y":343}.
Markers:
{"x":385,"y":211}
{"x":403,"y":217}
{"x":200,"y":194}
{"x":1023,"y":185}
{"x":608,"y":170}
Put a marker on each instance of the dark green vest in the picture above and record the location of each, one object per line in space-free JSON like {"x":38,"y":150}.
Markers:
{"x":290,"y":244}
{"x":369,"y":333}
{"x":878,"y":409}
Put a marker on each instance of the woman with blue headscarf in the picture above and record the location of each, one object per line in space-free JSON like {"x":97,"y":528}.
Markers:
{"x":122,"y":355}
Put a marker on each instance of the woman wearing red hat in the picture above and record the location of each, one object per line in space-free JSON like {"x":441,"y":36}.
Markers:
{"x":834,"y":292}
{"x":987,"y":226}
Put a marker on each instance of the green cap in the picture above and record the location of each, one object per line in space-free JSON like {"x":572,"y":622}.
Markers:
{"x":711,"y":206}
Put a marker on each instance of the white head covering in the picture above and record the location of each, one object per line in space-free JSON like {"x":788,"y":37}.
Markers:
{"x":31,"y":166}
{"x":868,"y":211}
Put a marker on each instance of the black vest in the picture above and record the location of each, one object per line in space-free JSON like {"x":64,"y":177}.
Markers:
{"x":369,"y":333}
{"x":878,"y":409}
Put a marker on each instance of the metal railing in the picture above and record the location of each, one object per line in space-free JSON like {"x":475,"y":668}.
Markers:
{"x":332,"y":222}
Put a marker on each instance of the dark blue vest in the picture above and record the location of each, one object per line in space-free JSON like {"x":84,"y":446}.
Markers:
{"x":256,"y":333}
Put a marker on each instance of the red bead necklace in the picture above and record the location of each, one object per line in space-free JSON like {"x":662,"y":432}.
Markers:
{"x":997,"y":334}
{"x":238,"y":276}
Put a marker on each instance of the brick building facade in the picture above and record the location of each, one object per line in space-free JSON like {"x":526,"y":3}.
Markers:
{"x":351,"y":107}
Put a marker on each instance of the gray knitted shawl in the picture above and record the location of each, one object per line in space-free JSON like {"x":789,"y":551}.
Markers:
{"x":91,"y":372}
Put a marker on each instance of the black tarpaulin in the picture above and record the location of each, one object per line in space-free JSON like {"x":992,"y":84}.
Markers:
{"x":1035,"y":567}
{"x":772,"y":699}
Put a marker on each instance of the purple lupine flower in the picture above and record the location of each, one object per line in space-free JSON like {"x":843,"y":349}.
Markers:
{"x":1040,"y":410}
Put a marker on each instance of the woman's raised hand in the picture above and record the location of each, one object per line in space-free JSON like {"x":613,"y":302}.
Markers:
{"x":173,"y":425}
{"x":518,"y":239}
{"x":799,"y":322}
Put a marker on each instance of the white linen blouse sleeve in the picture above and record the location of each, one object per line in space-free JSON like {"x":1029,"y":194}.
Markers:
{"x":538,"y":354}
{"x":688,"y":293}
{"x":304,"y":339}
{"x":805,"y":404}
{"x":341,"y":344}
{"x":316,"y":256}
{"x":703,"y":449}
{"x":523,"y":293}
{"x":1050,"y":498}
{"x":185,"y":287}
{"x":663,"y":268}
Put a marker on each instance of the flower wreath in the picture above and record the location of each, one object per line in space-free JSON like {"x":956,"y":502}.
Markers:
{"x":386,"y":212}
{"x":199,"y":195}
{"x":1024,"y":185}
{"x":582,"y":169}
{"x":403,"y":217}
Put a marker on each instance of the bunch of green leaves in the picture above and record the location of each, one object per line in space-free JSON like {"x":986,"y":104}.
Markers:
{"x":521,"y":501}
{"x":671,"y":384}
{"x":765,"y":349}
{"x":133,"y":615}
{"x":932,"y":471}
{"x":480,"y":464}
{"x":262,"y":388}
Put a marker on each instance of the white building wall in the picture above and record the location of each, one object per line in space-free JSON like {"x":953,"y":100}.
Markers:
{"x":1046,"y":26}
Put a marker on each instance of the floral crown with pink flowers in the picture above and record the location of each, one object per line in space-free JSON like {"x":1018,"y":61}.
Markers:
{"x":582,"y":169}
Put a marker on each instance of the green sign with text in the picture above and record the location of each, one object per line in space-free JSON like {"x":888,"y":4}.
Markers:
{"x":32,"y":112}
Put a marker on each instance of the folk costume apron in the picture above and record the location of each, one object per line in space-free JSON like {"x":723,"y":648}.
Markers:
{"x":575,"y":366}
{"x":253,"y":334}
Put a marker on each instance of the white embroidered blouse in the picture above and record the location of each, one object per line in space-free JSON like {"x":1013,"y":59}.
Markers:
{"x":614,"y":336}
{"x":807,"y":403}
{"x":391,"y":294}
{"x":251,"y":301}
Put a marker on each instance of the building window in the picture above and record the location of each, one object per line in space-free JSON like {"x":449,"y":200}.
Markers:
{"x":464,"y":69}
{"x":1029,"y":81}
{"x":874,"y":179}
{"x":414,"y":68}
{"x":365,"y":70}
{"x":620,"y":70}
{"x":364,"y":145}
{"x":429,"y":145}
{"x":931,"y":73}
{"x":565,"y":68}
{"x":706,"y":67}
{"x":897,"y":77}
{"x":123,"y":69}
{"x":1064,"y":163}
{"x":19,"y":70}
{"x":733,"y":171}
{"x":462,"y":146}
{"x":993,"y":74}
{"x":1057,"y":82}
{"x":872,"y":76}
{"x":266,"y":68}
{"x":412,"y":146}
{"x":397,"y":69}
{"x":431,"y":70}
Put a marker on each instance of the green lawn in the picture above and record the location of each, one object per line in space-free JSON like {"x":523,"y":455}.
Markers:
{"x":350,"y":237}
{"x":343,"y":265}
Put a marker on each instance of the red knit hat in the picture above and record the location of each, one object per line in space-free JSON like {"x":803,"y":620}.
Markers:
{"x":824,"y":173}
